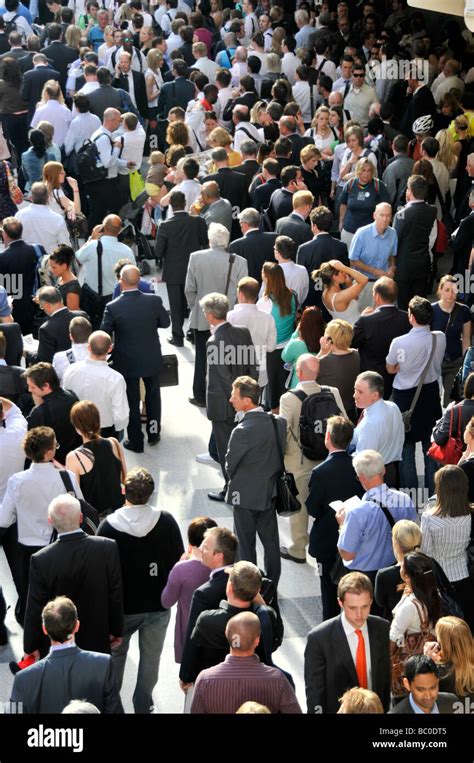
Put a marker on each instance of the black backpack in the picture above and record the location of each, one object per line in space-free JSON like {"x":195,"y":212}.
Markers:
{"x":10,"y":26}
{"x":89,"y":163}
{"x":315,"y":411}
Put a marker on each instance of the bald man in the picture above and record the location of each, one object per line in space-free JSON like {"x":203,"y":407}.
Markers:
{"x":242,"y":677}
{"x":103,"y":242}
{"x":102,"y":194}
{"x":307,"y":370}
{"x":133,"y":319}
{"x":373,"y":251}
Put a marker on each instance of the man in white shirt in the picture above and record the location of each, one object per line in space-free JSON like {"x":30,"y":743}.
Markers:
{"x":260,"y":324}
{"x":91,"y":84}
{"x":187,"y":171}
{"x":305,"y":95}
{"x":290,"y":62}
{"x":112,"y":251}
{"x":429,"y":151}
{"x":360,"y":97}
{"x":296,"y":276}
{"x":79,"y":332}
{"x":130,"y":140}
{"x":250,"y":18}
{"x":244,"y":130}
{"x":203,"y":63}
{"x":40,"y":224}
{"x":92,"y":379}
{"x":12,"y":431}
{"x":323,"y":63}
{"x":265,"y":25}
{"x":224,"y":95}
{"x":82,"y":126}
{"x":446,"y":81}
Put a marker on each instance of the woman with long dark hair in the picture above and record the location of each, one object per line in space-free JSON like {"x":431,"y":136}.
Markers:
{"x":34,"y":159}
{"x":13,"y":109}
{"x":60,"y":264}
{"x":304,"y":339}
{"x":280,"y":302}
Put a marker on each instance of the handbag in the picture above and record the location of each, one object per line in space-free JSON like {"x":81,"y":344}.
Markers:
{"x":406,"y":415}
{"x":14,"y":190}
{"x":78,"y":226}
{"x":413,"y":643}
{"x":286,"y":502}
{"x":169,"y":371}
{"x":452,"y":450}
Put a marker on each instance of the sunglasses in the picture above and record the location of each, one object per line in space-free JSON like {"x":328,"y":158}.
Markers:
{"x":359,"y":76}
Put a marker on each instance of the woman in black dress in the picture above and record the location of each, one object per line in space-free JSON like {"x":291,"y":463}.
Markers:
{"x":60,"y":264}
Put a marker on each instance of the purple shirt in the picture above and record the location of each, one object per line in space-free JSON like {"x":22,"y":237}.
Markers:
{"x":183,"y":580}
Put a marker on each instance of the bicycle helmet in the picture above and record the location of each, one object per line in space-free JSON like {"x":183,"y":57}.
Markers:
{"x":423,"y":124}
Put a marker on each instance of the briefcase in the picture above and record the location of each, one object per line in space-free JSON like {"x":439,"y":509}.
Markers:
{"x":169,"y":371}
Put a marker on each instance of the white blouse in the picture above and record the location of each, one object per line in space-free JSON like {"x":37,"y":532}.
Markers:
{"x":406,"y":618}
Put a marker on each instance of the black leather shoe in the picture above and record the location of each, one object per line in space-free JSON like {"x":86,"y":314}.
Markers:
{"x":154,"y":440}
{"x":199,"y":403}
{"x":286,"y":555}
{"x":14,"y":667}
{"x":3,"y":636}
{"x":216,"y":496}
{"x":175,"y":342}
{"x":128,"y":446}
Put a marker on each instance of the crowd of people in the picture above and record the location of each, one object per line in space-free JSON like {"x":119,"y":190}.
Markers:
{"x":304,"y":179}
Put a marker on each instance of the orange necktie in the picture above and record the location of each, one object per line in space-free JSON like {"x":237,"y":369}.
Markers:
{"x":361,"y":663}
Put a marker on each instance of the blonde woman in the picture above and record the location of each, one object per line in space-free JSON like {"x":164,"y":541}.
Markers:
{"x":74,"y":36}
{"x":355,"y":150}
{"x":52,"y":108}
{"x":447,"y":153}
{"x":146,"y":37}
{"x":321,"y":133}
{"x":279,"y":35}
{"x":406,"y":537}
{"x":339,"y":364}
{"x":220,"y":138}
{"x":453,"y":652}
{"x":359,"y":198}
{"x":54,"y":176}
{"x":153,"y":80}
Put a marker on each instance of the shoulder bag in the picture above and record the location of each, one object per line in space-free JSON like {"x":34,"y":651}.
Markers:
{"x":413,"y":643}
{"x":93,"y":303}
{"x":406,"y":415}
{"x":77,"y":226}
{"x":231,"y":265}
{"x":286,"y":503}
{"x":452,"y":450}
{"x":90,"y":516}
{"x":14,"y":190}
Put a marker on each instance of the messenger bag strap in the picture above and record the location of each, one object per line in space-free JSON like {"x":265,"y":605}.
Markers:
{"x":280,"y":452}
{"x":231,"y":265}
{"x":388,"y":515}
{"x":100,"y":251}
{"x":423,"y":375}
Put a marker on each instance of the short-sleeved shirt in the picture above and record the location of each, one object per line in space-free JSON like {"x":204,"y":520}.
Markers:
{"x":4,"y":306}
{"x":373,"y":249}
{"x":361,"y":202}
{"x":440,"y":322}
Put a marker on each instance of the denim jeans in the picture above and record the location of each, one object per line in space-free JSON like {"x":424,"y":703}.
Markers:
{"x":408,"y":475}
{"x":151,"y":627}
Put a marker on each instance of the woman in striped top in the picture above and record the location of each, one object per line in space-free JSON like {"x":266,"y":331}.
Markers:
{"x":446,"y":530}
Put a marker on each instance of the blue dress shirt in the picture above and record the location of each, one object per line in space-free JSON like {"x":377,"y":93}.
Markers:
{"x":375,"y":250}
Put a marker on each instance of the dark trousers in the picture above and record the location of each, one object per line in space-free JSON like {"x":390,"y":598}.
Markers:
{"x":123,"y":190}
{"x":26,"y":552}
{"x":103,"y":199}
{"x":200,"y":364}
{"x":392,"y":475}
{"x":111,"y":432}
{"x":249,"y":523}
{"x":178,"y":308}
{"x":328,"y":590}
{"x":15,"y":128}
{"x":153,"y":408}
{"x":222,"y":431}
{"x":276,"y":378}
{"x":408,"y":289}
{"x":3,"y":612}
{"x":465,"y":596}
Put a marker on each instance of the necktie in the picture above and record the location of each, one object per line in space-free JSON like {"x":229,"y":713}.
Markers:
{"x":361,"y":663}
{"x":347,"y":87}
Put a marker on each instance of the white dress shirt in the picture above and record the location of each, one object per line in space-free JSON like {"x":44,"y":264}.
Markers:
{"x":12,"y":456}
{"x":381,"y":428}
{"x":27,"y":498}
{"x":43,"y":226}
{"x":113,"y":251}
{"x":262,"y":330}
{"x":251,"y":133}
{"x":108,"y":152}
{"x":59,"y":116}
{"x":61,"y":360}
{"x":411,"y":352}
{"x":207,"y":67}
{"x":94,"y":380}
{"x":289,"y":65}
{"x":301,"y":94}
{"x":353,"y":642}
{"x":329,"y":67}
{"x":296,"y":278}
{"x":133,"y":146}
{"x":80,"y":130}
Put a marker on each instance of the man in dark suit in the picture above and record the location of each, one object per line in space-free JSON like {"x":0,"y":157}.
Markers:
{"x":373,"y":333}
{"x":295,"y":225}
{"x":105,"y":96}
{"x":17,"y":50}
{"x":54,"y":335}
{"x":281,"y":202}
{"x":12,"y":382}
{"x":230,"y":353}
{"x":133,"y":319}
{"x":288,"y":129}
{"x":414,"y":225}
{"x":33,"y":82}
{"x":60,"y":54}
{"x":18,"y":261}
{"x":33,"y":45}
{"x":175,"y":240}
{"x":256,"y":246}
{"x":261,"y":194}
{"x":334,"y":479}
{"x":420,"y":101}
{"x":253,"y":462}
{"x":218,"y":551}
{"x":249,"y":167}
{"x":232,"y":185}
{"x":421,"y":680}
{"x":463,"y":240}
{"x":132,"y":82}
{"x":14,"y":350}
{"x":84,"y":568}
{"x":67,"y":672}
{"x":336,"y":651}
{"x":176,"y":93}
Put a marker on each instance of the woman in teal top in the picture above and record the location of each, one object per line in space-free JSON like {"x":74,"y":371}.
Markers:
{"x":280,"y":302}
{"x":304,"y":339}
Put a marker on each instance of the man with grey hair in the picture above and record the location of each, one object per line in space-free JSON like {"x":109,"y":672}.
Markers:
{"x":365,"y":539}
{"x":256,"y":246}
{"x":40,"y":224}
{"x":212,"y":207}
{"x":210,"y":270}
{"x":230,"y":353}
{"x":380,"y":427}
{"x":233,"y":186}
{"x":83,"y":567}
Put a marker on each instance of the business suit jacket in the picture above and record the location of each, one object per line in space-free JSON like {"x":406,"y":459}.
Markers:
{"x":12,"y":333}
{"x":420,"y":104}
{"x":219,"y":212}
{"x":207,"y":272}
{"x":32,"y":86}
{"x":19,"y":260}
{"x":256,"y":247}
{"x":333,"y":480}
{"x":253,"y":461}
{"x":445,"y":703}
{"x":260,"y":197}
{"x":329,"y":669}
{"x":373,"y":336}
{"x":175,"y":240}
{"x":462,"y":243}
{"x":133,"y":319}
{"x":54,"y":412}
{"x":177,"y":93}
{"x":413,"y":225}
{"x":50,"y":684}
{"x":139,"y":87}
{"x":230,"y":353}
{"x":281,"y":204}
{"x":26,"y":61}
{"x":102,"y":98}
{"x":249,"y":168}
{"x":298,"y":142}
{"x":294,"y":227}
{"x":62,"y":57}
{"x":248,"y":99}
{"x":233,"y":187}
{"x":53,"y":335}
{"x":87,"y":570}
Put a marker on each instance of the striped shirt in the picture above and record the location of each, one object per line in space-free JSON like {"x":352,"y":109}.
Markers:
{"x":446,"y":539}
{"x":225,"y":687}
